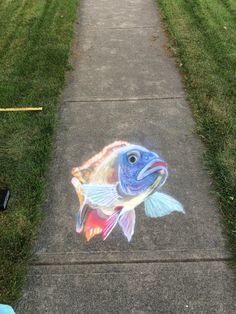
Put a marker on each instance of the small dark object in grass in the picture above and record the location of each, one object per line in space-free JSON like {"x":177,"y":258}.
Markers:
{"x":4,"y":198}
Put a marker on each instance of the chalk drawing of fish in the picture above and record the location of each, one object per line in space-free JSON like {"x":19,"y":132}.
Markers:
{"x":114,"y":182}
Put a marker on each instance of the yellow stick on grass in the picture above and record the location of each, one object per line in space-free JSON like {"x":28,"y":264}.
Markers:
{"x":22,"y":109}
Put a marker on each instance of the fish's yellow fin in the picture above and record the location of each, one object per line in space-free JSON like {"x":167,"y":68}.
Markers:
{"x":77,"y":185}
{"x":82,"y":175}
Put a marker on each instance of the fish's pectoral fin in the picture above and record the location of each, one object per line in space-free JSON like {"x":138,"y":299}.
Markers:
{"x":111,"y":222}
{"x":101,"y":194}
{"x":127,"y":223}
{"x":160,"y":204}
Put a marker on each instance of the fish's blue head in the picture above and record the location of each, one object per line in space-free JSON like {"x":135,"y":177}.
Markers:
{"x":140,"y":169}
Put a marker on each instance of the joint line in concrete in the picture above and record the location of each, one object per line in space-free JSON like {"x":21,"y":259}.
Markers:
{"x":124,"y":99}
{"x":161,"y":261}
{"x":119,"y":28}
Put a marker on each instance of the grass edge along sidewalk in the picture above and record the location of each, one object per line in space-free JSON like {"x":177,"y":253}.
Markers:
{"x":203,"y":39}
{"x":35,"y":38}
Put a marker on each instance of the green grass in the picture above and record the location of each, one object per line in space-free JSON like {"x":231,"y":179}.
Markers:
{"x":35,"y":38}
{"x":203,"y":38}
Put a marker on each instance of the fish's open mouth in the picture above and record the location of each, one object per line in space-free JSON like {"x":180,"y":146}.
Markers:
{"x":158,"y":166}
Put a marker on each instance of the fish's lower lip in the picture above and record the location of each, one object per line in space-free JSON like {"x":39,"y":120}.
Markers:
{"x":155,"y":166}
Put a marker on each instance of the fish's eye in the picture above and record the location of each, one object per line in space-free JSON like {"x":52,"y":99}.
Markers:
{"x":133,"y":158}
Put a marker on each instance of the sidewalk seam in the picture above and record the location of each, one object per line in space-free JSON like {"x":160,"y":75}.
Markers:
{"x":164,"y":261}
{"x":89,"y":29}
{"x":125,"y":99}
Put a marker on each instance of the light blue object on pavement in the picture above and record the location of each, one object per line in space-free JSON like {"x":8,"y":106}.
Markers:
{"x":6,"y":309}
{"x":160,"y":204}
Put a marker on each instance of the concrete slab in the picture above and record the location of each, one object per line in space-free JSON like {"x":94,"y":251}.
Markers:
{"x":118,"y":14}
{"x":121,"y":63}
{"x":175,"y":288}
{"x":115,"y":63}
{"x":162,"y":125}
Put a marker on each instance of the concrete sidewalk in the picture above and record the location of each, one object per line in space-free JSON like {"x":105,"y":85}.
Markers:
{"x":125,"y":86}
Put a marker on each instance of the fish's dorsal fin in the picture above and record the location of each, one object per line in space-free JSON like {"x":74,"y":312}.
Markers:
{"x":96,"y":159}
{"x":84,"y":172}
{"x":160,"y":204}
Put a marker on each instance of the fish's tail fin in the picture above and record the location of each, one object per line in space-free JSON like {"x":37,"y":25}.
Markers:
{"x":94,"y":225}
